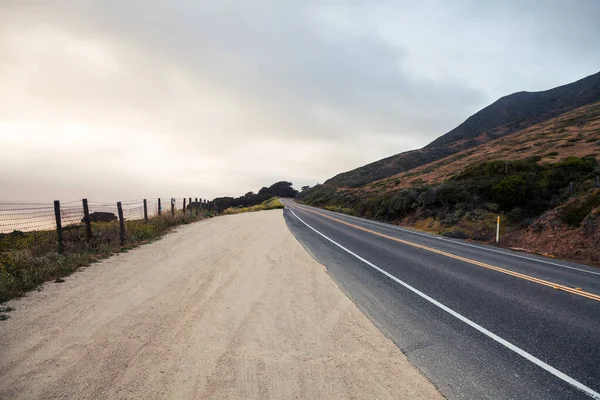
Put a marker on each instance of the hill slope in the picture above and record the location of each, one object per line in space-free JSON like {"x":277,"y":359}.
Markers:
{"x":507,"y":115}
{"x":575,"y":133}
{"x":541,"y":179}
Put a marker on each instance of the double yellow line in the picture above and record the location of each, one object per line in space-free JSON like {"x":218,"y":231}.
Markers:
{"x":553,"y":285}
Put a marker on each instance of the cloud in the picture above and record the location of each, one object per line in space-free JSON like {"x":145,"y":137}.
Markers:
{"x":222,"y":97}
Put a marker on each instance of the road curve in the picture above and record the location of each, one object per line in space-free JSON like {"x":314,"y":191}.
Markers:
{"x":479,"y":321}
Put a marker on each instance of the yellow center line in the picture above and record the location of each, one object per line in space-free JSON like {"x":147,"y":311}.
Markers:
{"x":553,"y":285}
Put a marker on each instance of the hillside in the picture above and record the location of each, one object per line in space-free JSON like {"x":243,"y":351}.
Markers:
{"x":509,"y":114}
{"x":539,"y":179}
{"x":575,"y":133}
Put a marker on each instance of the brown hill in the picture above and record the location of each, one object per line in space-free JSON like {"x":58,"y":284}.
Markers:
{"x":543,"y":180}
{"x":507,"y":115}
{"x":575,"y":133}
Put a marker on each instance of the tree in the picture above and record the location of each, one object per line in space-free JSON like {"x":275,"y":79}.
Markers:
{"x":283,"y":189}
{"x":278,"y":189}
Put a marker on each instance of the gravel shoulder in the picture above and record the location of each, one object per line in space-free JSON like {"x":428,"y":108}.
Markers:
{"x":231,"y":307}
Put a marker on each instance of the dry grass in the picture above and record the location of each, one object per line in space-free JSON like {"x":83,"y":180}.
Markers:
{"x":28,"y":259}
{"x":478,"y":225}
{"x":271,"y":204}
{"x":576,"y":133}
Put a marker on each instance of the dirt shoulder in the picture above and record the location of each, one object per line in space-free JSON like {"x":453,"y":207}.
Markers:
{"x":231,"y":307}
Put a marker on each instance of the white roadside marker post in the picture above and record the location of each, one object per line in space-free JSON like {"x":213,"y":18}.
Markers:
{"x":498,"y":229}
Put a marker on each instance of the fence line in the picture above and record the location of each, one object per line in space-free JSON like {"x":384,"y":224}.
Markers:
{"x":30,"y":217}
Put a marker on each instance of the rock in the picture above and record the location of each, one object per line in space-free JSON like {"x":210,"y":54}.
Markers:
{"x":101,"y":217}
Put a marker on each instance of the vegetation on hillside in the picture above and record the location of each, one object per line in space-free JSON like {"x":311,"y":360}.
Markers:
{"x":575,"y":133}
{"x":539,"y":179}
{"x":278,"y":189}
{"x":28,"y":259}
{"x":271,"y":204}
{"x":465,"y":205}
{"x":569,"y":231}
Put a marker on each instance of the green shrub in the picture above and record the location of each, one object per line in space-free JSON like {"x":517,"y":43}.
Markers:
{"x":568,"y":170}
{"x":493,"y":207}
{"x":510,"y":191}
{"x":574,"y":212}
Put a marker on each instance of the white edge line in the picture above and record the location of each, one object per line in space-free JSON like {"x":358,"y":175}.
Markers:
{"x":467,"y":321}
{"x":395,"y":227}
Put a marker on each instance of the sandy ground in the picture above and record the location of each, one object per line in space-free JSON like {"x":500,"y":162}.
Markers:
{"x":231,"y":307}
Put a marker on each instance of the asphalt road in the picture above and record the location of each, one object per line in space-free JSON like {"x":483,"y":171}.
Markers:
{"x":479,"y":321}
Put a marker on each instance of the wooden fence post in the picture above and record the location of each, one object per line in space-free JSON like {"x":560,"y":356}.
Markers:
{"x":87,"y":220}
{"x":172,"y":207}
{"x":145,"y":210}
{"x":121,"y":223}
{"x":184,"y":205}
{"x":59,"y":235}
{"x":159,"y":207}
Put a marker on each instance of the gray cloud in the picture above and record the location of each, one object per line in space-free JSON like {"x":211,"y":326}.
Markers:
{"x":226,"y":96}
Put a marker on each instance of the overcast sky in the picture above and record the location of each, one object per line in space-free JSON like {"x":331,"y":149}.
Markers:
{"x":129,"y":99}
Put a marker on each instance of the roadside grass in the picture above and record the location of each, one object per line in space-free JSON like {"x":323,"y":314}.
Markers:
{"x":271,"y":204}
{"x":340,"y":209}
{"x":28,"y":259}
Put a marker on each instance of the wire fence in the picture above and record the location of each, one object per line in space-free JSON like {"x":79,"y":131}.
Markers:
{"x":29,"y":217}
{"x":43,"y":241}
{"x":26,"y":217}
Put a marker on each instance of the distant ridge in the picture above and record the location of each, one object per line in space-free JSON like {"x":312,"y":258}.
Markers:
{"x":507,"y":115}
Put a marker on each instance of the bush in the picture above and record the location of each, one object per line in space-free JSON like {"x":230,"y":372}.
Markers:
{"x":510,"y":191}
{"x":493,"y":207}
{"x":571,"y":169}
{"x":574,"y":212}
